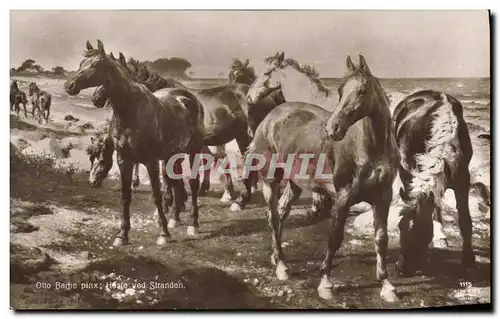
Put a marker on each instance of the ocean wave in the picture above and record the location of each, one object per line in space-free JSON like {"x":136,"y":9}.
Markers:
{"x":476,"y":101}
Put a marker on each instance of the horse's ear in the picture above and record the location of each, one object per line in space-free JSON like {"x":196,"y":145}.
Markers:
{"x":123,"y":61}
{"x":112,"y":57}
{"x":100,"y":46}
{"x":363,"y":66}
{"x":89,"y":46}
{"x":350,"y":66}
{"x":92,"y":140}
{"x":281,"y":58}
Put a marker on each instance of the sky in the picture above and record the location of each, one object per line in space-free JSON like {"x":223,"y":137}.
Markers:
{"x":395,"y":43}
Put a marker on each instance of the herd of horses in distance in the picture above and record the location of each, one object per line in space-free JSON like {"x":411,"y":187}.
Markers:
{"x":425,"y":140}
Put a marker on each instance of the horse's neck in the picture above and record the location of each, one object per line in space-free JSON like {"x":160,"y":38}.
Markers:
{"x":120,"y":90}
{"x":379,"y":122}
{"x":297,"y":87}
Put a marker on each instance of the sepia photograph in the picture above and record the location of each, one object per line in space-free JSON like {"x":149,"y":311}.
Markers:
{"x":250,"y":160}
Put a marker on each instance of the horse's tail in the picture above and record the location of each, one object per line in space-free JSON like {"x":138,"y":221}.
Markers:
{"x":439,"y":152}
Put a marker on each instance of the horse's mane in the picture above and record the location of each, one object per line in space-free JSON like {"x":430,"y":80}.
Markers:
{"x":152,"y":80}
{"x":305,"y":69}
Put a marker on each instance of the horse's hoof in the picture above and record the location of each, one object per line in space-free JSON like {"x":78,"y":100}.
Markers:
{"x":235,"y":207}
{"x":192,"y":230}
{"x":226,"y":198}
{"x":254,"y":189}
{"x":281,"y":271}
{"x":325,"y":288}
{"x":162,"y":240}
{"x":119,"y":241}
{"x":388,"y":292}
{"x":325,"y":293}
{"x":172,"y":223}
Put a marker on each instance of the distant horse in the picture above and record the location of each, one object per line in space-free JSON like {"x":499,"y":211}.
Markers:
{"x":149,"y":127}
{"x":361,"y":154}
{"x":17,"y":97}
{"x":41,"y":100}
{"x":435,"y":149}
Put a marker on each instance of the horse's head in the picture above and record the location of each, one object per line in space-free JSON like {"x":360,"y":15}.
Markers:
{"x":355,"y":94}
{"x":92,"y":70}
{"x":101,"y":156}
{"x":32,"y":87}
{"x":99,"y":97}
{"x":269,"y":80}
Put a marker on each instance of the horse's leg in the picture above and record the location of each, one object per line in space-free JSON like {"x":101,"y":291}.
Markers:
{"x":380,"y":213}
{"x":136,"y":182}
{"x":125,"y":165}
{"x":17,"y":108}
{"x":180,"y":196}
{"x":338,"y":218}
{"x":154,"y":179}
{"x":194,"y":183}
{"x":246,"y":194}
{"x":290,"y":195}
{"x":228,"y":195}
{"x":25,"y":110}
{"x":205,"y":185}
{"x":47,"y":116}
{"x":168,"y":196}
{"x":271,"y":195}
{"x":461,"y":187}
{"x":439,"y":240}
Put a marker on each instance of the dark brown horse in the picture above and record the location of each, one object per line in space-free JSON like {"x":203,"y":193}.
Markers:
{"x":149,"y":127}
{"x":17,"y":97}
{"x":41,"y":100}
{"x":358,"y":142}
{"x":436,"y":150}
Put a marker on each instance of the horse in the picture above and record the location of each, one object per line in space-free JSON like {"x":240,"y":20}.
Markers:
{"x":17,"y":97}
{"x":287,"y":78}
{"x":149,"y":127}
{"x":435,"y":151}
{"x":41,"y":100}
{"x":361,"y":156}
{"x":301,"y":83}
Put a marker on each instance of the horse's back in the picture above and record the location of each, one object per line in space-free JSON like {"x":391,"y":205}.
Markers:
{"x":291,"y":127}
{"x":414,"y":118}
